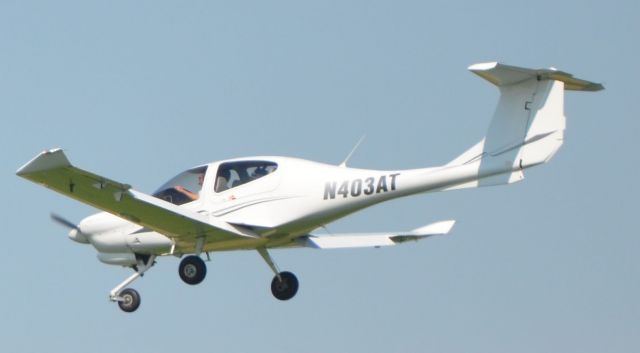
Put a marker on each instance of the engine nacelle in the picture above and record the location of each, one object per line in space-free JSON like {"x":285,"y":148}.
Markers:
{"x":121,"y":249}
{"x":148,"y":243}
{"x":121,"y":259}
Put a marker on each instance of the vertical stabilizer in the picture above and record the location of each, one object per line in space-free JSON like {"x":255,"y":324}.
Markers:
{"x":528,"y":124}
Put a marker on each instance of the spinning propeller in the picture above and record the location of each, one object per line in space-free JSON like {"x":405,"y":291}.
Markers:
{"x":75,"y":234}
{"x":65,"y":222}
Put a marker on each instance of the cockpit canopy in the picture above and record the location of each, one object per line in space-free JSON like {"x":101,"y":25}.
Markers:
{"x":184,"y":187}
{"x":187,"y":186}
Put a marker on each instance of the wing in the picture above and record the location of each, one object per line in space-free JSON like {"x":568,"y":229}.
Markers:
{"x":338,"y":241}
{"x":53,"y":170}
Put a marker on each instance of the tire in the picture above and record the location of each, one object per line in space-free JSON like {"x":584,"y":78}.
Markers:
{"x":130,"y":300}
{"x":192,"y":270}
{"x":286,"y":288}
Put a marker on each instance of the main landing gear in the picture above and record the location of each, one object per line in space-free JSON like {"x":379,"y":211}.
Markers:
{"x":284,"y":285}
{"x":193,"y":270}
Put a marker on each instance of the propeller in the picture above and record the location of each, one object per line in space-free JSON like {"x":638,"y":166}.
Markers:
{"x":64,"y":222}
{"x":75,"y":234}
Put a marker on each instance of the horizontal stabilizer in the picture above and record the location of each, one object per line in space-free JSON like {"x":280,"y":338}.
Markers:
{"x":369,"y":240}
{"x":506,"y":75}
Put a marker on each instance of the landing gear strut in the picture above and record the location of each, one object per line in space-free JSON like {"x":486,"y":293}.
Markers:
{"x":129,"y":299}
{"x":284,"y":285}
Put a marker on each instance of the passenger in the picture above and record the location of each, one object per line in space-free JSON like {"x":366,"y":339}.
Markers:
{"x":259,"y":173}
{"x":222,"y":180}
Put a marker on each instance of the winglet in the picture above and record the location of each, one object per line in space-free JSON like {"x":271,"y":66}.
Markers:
{"x":53,"y":159}
{"x":50,"y":159}
{"x":438,"y":228}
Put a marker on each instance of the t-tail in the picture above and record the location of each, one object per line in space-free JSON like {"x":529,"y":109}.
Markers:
{"x":527,"y":128}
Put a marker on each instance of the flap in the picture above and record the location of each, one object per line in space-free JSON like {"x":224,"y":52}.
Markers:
{"x":364,"y":240}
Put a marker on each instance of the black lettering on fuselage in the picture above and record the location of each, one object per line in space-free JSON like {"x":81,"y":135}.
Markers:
{"x":344,"y":189}
{"x":356,"y":187}
{"x":393,"y":180}
{"x":330,"y":190}
{"x":360,"y":187}
{"x":382,"y":185}
{"x":370,"y":189}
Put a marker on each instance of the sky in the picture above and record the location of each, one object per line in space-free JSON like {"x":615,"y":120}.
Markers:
{"x":139,"y":91}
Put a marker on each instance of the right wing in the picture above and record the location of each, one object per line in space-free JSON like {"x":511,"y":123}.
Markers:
{"x":339,"y":241}
{"x":53,"y":170}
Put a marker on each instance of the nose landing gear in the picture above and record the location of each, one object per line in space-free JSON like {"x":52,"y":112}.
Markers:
{"x":129,"y":299}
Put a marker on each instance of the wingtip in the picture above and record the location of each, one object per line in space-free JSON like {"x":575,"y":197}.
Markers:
{"x":442,"y":227}
{"x":483,"y":66}
{"x":47,"y":159}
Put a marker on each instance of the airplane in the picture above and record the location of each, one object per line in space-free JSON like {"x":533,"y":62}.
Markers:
{"x":264,"y":203}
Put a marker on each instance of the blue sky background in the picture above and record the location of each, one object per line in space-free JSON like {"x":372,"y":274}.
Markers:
{"x":138,"y":91}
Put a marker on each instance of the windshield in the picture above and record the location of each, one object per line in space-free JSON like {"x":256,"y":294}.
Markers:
{"x":184,"y":187}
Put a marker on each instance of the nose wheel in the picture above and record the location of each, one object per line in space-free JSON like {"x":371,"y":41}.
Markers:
{"x":129,"y":300}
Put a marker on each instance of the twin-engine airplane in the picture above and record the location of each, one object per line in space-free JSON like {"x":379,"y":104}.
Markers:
{"x":263,"y":203}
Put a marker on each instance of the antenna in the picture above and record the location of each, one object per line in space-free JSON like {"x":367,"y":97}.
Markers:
{"x":344,"y":163}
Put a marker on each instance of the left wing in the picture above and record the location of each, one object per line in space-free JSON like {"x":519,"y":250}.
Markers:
{"x":376,"y":240}
{"x":53,"y":170}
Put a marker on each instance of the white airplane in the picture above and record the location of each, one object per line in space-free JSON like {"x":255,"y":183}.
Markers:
{"x":262,"y":203}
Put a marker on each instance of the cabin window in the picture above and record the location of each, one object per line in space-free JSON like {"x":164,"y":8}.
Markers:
{"x":233,"y":174}
{"x":184,"y":187}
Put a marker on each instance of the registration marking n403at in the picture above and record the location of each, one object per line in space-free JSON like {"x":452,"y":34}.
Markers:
{"x":359,"y":187}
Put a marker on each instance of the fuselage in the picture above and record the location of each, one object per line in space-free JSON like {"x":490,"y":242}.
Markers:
{"x":289,"y":198}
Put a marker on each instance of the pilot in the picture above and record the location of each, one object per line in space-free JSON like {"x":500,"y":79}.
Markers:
{"x":188,"y":193}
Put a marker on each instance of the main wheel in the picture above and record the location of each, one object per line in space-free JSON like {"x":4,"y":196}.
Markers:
{"x":192,"y":270}
{"x":130,"y":300}
{"x":285,"y":287}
